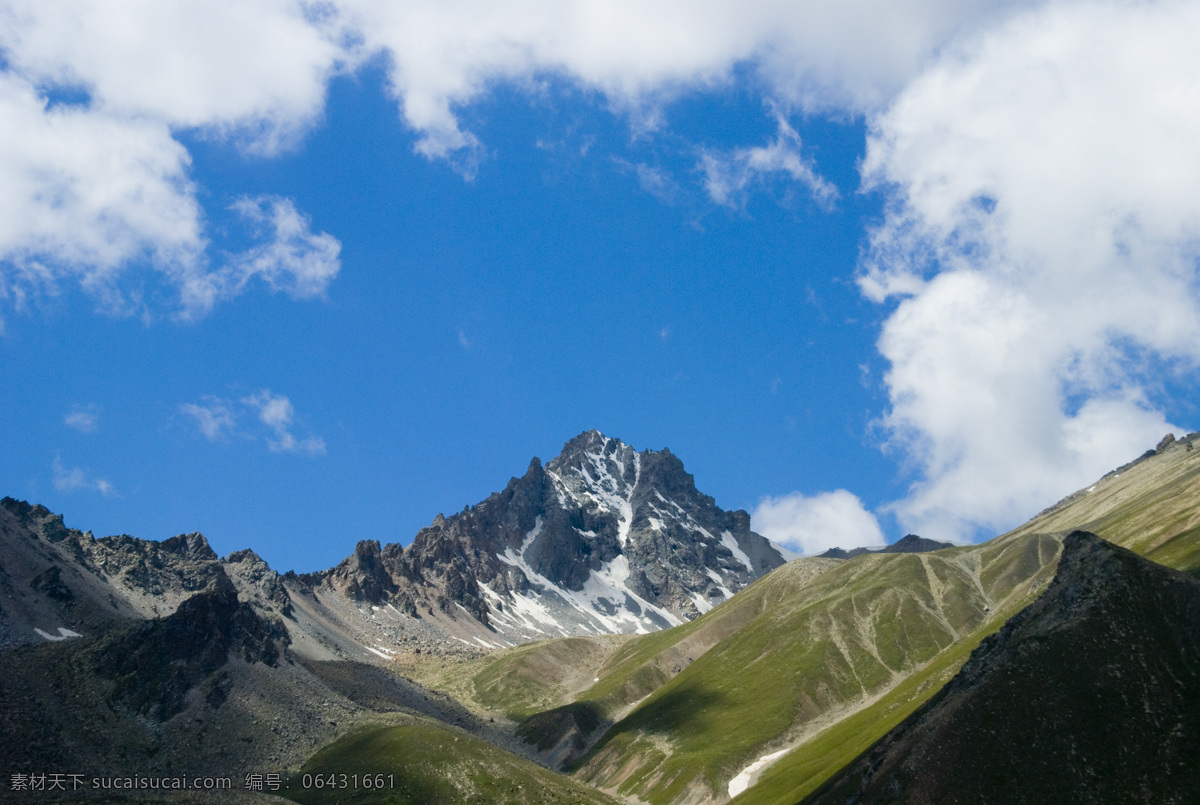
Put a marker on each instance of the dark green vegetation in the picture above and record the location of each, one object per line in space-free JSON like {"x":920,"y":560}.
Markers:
{"x":1091,"y":694}
{"x":424,"y":764}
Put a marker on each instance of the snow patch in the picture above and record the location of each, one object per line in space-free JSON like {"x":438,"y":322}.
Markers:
{"x":63,"y":634}
{"x":725,"y":591}
{"x":749,"y":775}
{"x":607,"y":584}
{"x":729,"y":542}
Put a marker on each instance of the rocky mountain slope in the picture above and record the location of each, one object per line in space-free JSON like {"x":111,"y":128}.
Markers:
{"x":599,"y":540}
{"x":160,"y":657}
{"x":909,"y":543}
{"x":1091,"y":694}
{"x":134,"y":653}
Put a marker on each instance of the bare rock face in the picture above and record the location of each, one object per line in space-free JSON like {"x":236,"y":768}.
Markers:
{"x":599,"y":539}
{"x":1089,"y":695}
{"x":155,"y":665}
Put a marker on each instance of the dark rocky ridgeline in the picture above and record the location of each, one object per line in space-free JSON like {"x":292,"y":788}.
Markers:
{"x":596,"y":501}
{"x":1089,"y":695}
{"x":909,"y":543}
{"x":155,"y":665}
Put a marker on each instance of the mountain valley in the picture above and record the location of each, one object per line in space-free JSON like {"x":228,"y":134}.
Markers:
{"x":597,"y":631}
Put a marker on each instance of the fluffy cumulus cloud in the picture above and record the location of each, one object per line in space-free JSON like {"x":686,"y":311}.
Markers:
{"x":96,"y":187}
{"x":218,"y":419}
{"x":1040,"y":247}
{"x":820,"y":54}
{"x":812,"y":524}
{"x":94,"y":184}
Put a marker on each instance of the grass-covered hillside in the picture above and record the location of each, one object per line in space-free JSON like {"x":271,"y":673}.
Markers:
{"x":426,"y":764}
{"x":804,"y":669}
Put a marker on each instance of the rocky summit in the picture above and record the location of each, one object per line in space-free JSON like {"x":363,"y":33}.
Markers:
{"x":601,"y":539}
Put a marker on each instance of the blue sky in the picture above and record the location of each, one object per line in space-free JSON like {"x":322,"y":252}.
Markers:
{"x":300,"y":288}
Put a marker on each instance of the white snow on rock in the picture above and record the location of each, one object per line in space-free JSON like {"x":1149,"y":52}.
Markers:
{"x":729,"y":542}
{"x":63,"y":634}
{"x":605,"y":605}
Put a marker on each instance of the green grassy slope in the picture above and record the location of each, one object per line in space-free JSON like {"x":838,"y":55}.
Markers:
{"x":849,"y":637}
{"x":612,"y":671}
{"x":1152,"y":508}
{"x":819,"y":658}
{"x":424,"y":764}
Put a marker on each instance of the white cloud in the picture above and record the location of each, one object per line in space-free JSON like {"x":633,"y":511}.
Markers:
{"x":814,"y":524}
{"x":292,"y":259}
{"x":213,"y":417}
{"x":252,"y":69}
{"x":276,"y":412}
{"x":75,"y":478}
{"x":845,"y":54}
{"x":82,"y":418}
{"x":97,"y":191}
{"x":1041,"y":240}
{"x":218,"y":419}
{"x":83,"y":193}
{"x":728,"y":175}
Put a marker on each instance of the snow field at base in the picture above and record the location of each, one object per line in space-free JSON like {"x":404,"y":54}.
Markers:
{"x":749,"y":775}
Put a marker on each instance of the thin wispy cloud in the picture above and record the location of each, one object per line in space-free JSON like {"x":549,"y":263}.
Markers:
{"x":213,"y":417}
{"x":277,"y":413}
{"x":290,"y":258}
{"x":217,"y":419}
{"x":728,"y":176}
{"x":72,"y":479}
{"x":82,"y":418}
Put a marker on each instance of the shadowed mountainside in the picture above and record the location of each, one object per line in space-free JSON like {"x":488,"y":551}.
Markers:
{"x":1089,"y":695}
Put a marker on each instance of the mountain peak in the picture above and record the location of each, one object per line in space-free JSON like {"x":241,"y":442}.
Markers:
{"x":599,"y":539}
